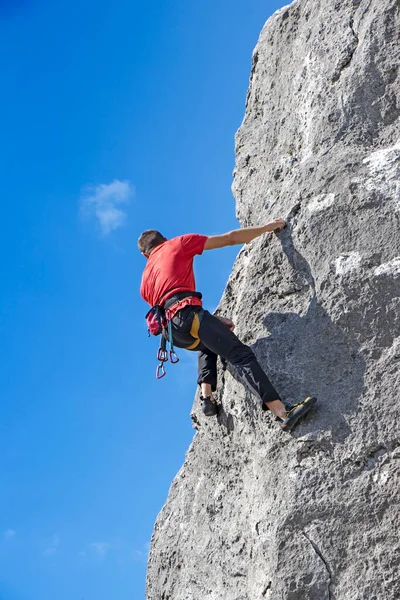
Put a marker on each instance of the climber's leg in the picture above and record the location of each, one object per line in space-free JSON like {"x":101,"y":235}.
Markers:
{"x":207,"y":369}
{"x":207,"y":379}
{"x":218,"y":338}
{"x":185,"y":326}
{"x":206,"y":389}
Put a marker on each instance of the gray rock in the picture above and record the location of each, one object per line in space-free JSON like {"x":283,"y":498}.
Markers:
{"x":255,"y":513}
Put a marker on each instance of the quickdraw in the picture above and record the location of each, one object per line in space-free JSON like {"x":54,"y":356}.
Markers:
{"x":163,"y":355}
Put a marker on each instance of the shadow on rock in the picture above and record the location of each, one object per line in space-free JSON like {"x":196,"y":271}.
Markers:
{"x":225,"y":419}
{"x":310,"y":355}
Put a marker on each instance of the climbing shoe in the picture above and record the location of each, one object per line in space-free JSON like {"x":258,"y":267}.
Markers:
{"x":210,"y":407}
{"x":296,"y":412}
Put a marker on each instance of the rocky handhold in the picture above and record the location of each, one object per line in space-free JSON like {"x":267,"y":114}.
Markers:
{"x":255,"y":513}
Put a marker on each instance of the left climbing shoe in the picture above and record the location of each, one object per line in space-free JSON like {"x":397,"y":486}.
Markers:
{"x":296,"y":412}
{"x":210,"y":407}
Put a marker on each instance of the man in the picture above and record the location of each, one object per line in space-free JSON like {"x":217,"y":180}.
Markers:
{"x":168,"y":280}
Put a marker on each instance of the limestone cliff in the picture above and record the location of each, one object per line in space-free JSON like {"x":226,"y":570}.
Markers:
{"x":255,"y":513}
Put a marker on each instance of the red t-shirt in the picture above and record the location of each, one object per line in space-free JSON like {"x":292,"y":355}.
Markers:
{"x":169,"y":268}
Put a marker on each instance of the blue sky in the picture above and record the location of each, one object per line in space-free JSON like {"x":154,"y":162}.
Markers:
{"x":116,"y":117}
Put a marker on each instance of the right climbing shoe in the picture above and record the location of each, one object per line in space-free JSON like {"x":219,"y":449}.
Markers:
{"x":210,"y":407}
{"x":296,"y":412}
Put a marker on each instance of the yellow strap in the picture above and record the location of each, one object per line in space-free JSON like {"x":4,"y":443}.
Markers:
{"x":194,"y":332}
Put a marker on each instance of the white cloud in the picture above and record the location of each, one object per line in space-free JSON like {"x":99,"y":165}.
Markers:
{"x":53,"y":546}
{"x":100,"y":548}
{"x":103,"y":202}
{"x":9,"y":534}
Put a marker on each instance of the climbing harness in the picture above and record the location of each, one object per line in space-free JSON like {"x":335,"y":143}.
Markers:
{"x":159,"y":324}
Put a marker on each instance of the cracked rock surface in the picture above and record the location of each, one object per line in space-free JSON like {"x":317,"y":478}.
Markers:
{"x":255,"y":513}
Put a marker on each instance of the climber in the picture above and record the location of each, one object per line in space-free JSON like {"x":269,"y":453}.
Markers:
{"x":168,"y":281}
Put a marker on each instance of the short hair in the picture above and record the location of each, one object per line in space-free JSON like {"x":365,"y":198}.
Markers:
{"x":149,"y":240}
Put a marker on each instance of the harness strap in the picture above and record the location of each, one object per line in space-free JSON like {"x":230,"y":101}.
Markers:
{"x":169,"y":302}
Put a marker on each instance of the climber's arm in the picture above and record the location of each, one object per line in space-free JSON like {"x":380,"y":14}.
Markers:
{"x":242,"y":236}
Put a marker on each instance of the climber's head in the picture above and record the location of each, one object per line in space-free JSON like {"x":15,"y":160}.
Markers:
{"x":149,"y":240}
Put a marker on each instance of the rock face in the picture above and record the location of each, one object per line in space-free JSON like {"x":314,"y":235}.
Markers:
{"x":255,"y":513}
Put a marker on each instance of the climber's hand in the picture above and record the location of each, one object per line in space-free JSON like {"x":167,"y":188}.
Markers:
{"x":277,"y":225}
{"x":227,"y":322}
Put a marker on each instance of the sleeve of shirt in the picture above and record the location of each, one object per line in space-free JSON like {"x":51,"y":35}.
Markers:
{"x":193,"y":243}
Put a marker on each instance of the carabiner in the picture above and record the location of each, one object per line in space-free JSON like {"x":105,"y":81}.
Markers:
{"x":173,"y":357}
{"x":160,"y":371}
{"x":162,"y":355}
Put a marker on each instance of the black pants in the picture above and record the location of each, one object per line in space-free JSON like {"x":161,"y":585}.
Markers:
{"x":216,"y":339}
